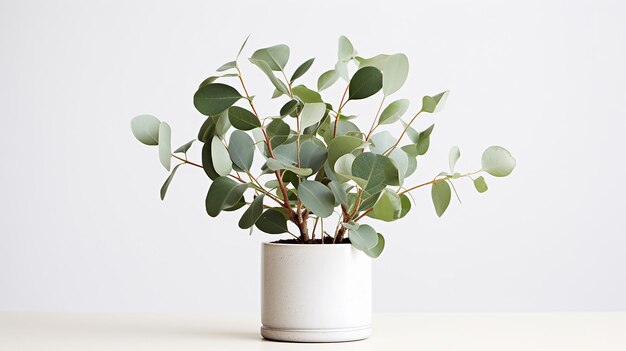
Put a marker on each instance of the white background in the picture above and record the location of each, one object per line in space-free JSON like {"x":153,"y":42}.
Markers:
{"x":82,"y":227}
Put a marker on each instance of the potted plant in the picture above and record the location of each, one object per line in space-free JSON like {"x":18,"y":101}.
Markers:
{"x":317,"y":177}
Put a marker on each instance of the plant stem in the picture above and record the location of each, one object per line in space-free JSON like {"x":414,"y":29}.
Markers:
{"x":283,"y":188}
{"x":388,"y":151}
{"x":436,"y":180}
{"x":341,"y":104}
{"x":186,"y":161}
{"x":374,"y":125}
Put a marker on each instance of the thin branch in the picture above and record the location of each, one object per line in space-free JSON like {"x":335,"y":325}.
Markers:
{"x":388,"y":151}
{"x":374,"y":125}
{"x":341,"y":104}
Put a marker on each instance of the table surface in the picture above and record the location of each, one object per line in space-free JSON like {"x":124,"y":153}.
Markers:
{"x":418,"y":331}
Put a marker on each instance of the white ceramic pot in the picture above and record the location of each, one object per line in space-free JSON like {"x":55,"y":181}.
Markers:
{"x":315,"y":293}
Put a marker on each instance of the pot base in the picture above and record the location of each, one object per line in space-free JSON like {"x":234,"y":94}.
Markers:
{"x":316,"y":335}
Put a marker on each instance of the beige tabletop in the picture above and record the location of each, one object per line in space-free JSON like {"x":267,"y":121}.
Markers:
{"x":420,"y":331}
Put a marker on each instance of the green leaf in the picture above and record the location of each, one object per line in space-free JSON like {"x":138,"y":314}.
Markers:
{"x":213,"y":99}
{"x":222,"y":123}
{"x":316,"y":197}
{"x":241,"y":149}
{"x":342,"y":70}
{"x":377,"y":61}
{"x":239,"y":204}
{"x":214,"y":78}
{"x":252,"y":213}
{"x":395,"y":72}
{"x":388,"y":207}
{"x":311,"y":114}
{"x":480,"y":184}
{"x":278,"y":131}
{"x":146,"y":129}
{"x":166,"y":185}
{"x":366,"y":82}
{"x":346,"y":50}
{"x":378,"y":249}
{"x":242,"y":46}
{"x":207,"y":161}
{"x":276,"y":165}
{"x":302,"y":69}
{"x":313,"y":154}
{"x":277,"y":93}
{"x":453,"y":157}
{"x":435,"y":103}
{"x":394,"y":111}
{"x":441,"y":194}
{"x":207,"y":130}
{"x":272,"y":221}
{"x":327,"y":79}
{"x":342,"y":145}
{"x":306,"y":95}
{"x":275,"y":57}
{"x":220,"y":157}
{"x":406,"y":205}
{"x":288,"y":108}
{"x":381,"y":142}
{"x":363,"y":236}
{"x":223,"y":193}
{"x":368,"y":201}
{"x":343,"y":169}
{"x":377,"y":170}
{"x":227,"y":66}
{"x":265,"y":68}
{"x":339,"y":191}
{"x":242,"y":119}
{"x":184,"y":148}
{"x":165,"y":145}
{"x":422,"y":144}
{"x":498,"y":161}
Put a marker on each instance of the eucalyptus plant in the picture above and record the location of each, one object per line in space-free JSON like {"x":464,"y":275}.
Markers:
{"x":315,"y":162}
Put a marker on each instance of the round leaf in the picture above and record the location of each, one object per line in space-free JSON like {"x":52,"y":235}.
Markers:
{"x":327,"y":79}
{"x":378,"y":249}
{"x":318,"y":198}
{"x":241,"y":149}
{"x":252,"y":213}
{"x":363,"y":237}
{"x":272,"y":221}
{"x":346,"y":50}
{"x":313,"y":154}
{"x":165,"y":145}
{"x":394,"y":111}
{"x":498,"y":161}
{"x":207,"y":162}
{"x":366,"y":82}
{"x":213,"y":99}
{"x":377,"y":170}
{"x":146,"y":129}
{"x":242,"y":119}
{"x":312,"y":113}
{"x":388,"y":207}
{"x":223,"y":193}
{"x":441,"y":194}
{"x":278,"y":131}
{"x":221,"y":159}
{"x":395,"y":72}
{"x":342,"y":145}
{"x":275,"y":57}
{"x":480,"y":184}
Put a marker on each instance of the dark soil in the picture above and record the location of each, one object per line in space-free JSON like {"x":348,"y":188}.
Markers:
{"x":327,"y":240}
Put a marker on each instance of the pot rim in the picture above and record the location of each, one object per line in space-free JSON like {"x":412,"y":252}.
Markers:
{"x":268,"y":243}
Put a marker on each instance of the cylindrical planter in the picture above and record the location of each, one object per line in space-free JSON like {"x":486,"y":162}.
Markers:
{"x":315,"y":292}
